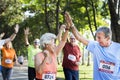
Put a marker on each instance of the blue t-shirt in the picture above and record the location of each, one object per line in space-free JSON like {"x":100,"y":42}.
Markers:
{"x":106,"y":60}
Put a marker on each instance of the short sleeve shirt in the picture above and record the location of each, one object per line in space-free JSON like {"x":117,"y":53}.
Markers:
{"x":31,"y":53}
{"x":106,"y":60}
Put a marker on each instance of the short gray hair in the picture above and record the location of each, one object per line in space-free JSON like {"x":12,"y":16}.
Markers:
{"x":107,"y":31}
{"x":46,"y":39}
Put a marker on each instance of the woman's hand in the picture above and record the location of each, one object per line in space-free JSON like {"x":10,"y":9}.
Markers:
{"x":46,"y":53}
{"x":1,"y":35}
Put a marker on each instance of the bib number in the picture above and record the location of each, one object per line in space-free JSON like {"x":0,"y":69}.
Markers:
{"x":71,"y":57}
{"x":107,"y":67}
{"x":8,"y":61}
{"x":48,"y":76}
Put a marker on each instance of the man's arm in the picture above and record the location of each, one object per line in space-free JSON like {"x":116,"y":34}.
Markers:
{"x":78,"y":36}
{"x":75,"y":31}
{"x":26,"y":33}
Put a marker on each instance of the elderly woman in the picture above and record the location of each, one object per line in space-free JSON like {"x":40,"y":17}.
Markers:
{"x":45,"y":61}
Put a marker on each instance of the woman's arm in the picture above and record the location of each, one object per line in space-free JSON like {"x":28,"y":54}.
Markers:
{"x":1,"y":35}
{"x":11,"y":38}
{"x":40,"y":61}
{"x":62,"y":41}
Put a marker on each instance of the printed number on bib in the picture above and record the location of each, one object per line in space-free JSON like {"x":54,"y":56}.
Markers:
{"x":8,"y":61}
{"x":48,"y":76}
{"x":71,"y":57}
{"x":107,"y":67}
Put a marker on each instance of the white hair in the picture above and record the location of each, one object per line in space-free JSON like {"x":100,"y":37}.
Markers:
{"x":46,"y":38}
{"x":71,"y":35}
{"x":36,"y":40}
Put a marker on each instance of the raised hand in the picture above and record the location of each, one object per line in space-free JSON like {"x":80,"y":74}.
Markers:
{"x":68,"y":20}
{"x":16,"y":28}
{"x":26,"y":31}
{"x":62,"y":27}
{"x":1,"y":35}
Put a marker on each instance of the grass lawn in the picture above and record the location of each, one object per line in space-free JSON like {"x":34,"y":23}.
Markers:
{"x":86,"y":72}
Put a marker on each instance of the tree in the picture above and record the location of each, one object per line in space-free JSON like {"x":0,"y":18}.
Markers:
{"x":114,"y":8}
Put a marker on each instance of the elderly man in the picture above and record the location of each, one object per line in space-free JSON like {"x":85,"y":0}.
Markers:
{"x":106,"y":53}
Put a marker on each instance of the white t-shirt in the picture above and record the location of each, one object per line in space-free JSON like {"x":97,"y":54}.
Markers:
{"x":2,"y":42}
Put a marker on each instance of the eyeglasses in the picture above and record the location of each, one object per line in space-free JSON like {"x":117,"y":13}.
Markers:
{"x":36,"y":43}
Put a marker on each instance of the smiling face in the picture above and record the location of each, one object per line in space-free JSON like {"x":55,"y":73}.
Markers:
{"x":103,"y":41}
{"x":8,"y":45}
{"x":51,"y":46}
{"x":36,"y":43}
{"x":72,"y":39}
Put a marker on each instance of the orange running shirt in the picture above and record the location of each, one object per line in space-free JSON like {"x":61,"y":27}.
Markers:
{"x":50,"y":69}
{"x":7,"y":57}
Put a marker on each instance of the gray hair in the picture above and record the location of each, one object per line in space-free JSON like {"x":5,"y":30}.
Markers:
{"x":46,"y":39}
{"x":106,"y":31}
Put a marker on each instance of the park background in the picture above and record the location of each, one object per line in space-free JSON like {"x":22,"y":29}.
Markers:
{"x":43,"y":16}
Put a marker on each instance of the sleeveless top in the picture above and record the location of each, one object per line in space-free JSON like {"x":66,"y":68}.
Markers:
{"x":50,"y":69}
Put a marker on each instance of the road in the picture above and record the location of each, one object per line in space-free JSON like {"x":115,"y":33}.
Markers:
{"x":21,"y":73}
{"x":18,"y":73}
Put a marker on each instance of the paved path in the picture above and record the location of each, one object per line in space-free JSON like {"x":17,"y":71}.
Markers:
{"x":19,"y":73}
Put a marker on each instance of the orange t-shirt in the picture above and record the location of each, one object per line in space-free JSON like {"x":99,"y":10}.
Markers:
{"x":7,"y":57}
{"x":50,"y":69}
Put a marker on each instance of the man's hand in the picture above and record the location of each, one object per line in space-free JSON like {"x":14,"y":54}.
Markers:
{"x":16,"y":28}
{"x":26,"y":31}
{"x":68,"y":20}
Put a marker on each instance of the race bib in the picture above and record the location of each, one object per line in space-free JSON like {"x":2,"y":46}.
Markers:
{"x":71,"y":57}
{"x":48,"y":76}
{"x":107,"y":67}
{"x":8,"y":61}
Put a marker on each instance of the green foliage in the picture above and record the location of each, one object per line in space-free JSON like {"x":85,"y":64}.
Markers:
{"x":13,"y":12}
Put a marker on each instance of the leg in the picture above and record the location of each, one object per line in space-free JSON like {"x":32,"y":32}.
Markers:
{"x":75,"y":75}
{"x":67,"y":73}
{"x":9,"y":73}
{"x":6,"y":73}
{"x":31,"y":73}
{"x":3,"y":73}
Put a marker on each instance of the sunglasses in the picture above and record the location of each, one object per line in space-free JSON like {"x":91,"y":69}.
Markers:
{"x":36,"y":43}
{"x":72,"y":38}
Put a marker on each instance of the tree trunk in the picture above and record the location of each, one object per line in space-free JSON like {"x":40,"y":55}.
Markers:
{"x":115,"y":27}
{"x":88,"y":62}
{"x":57,"y":16}
{"x":46,"y":17}
{"x":83,"y":58}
